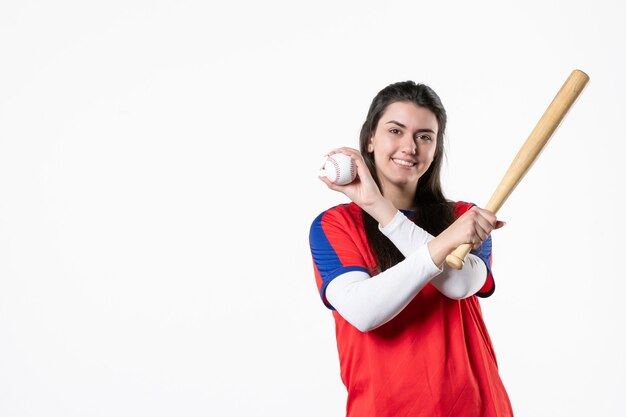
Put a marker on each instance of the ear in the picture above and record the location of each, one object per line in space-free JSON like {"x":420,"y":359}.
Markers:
{"x":370,"y":146}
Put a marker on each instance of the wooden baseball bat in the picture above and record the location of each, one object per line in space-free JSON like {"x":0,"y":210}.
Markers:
{"x":529,"y":152}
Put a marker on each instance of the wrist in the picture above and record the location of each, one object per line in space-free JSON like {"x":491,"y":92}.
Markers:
{"x":439,"y":249}
{"x":382,"y":210}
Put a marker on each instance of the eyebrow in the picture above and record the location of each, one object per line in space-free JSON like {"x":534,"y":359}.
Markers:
{"x":404,"y":127}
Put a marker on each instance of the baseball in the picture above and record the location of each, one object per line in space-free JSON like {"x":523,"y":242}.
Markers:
{"x":339,"y":169}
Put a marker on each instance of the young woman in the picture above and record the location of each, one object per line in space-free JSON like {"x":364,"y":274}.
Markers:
{"x":410,"y":333}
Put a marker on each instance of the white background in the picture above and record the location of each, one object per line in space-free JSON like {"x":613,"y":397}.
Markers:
{"x":158,"y":165}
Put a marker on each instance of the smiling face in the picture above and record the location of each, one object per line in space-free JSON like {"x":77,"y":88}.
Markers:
{"x":404,"y":145}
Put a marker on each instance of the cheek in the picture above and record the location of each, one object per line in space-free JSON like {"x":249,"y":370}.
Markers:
{"x":378,"y":146}
{"x":433,"y":150}
{"x":429,"y":152}
{"x":377,"y":158}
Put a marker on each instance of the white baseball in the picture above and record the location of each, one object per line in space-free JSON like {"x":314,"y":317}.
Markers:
{"x":339,"y":169}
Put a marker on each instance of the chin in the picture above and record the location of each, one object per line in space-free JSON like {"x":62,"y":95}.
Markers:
{"x":406,"y":182}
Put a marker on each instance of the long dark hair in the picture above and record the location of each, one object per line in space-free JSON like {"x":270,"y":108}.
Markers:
{"x":434,"y":213}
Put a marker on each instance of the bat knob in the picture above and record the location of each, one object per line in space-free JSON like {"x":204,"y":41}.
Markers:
{"x":454,"y":261}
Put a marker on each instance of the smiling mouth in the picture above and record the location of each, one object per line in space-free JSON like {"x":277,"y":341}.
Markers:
{"x":403,"y":163}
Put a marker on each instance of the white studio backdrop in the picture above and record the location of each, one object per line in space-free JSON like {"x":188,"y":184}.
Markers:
{"x":158,"y":165}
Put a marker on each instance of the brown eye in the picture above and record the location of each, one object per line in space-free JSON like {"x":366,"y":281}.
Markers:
{"x":394,"y":131}
{"x":424,"y":138}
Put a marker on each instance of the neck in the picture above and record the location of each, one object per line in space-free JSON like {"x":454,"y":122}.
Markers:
{"x":401,"y":198}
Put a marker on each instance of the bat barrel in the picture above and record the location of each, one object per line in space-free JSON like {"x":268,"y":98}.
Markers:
{"x":530,"y":150}
{"x":538,"y":138}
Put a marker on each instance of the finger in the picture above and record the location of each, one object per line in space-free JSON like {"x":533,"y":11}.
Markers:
{"x":481,"y":234}
{"x":336,"y":187}
{"x":486,"y":214}
{"x":488,"y":229}
{"x":483,"y":227}
{"x":329,"y":183}
{"x":346,"y":151}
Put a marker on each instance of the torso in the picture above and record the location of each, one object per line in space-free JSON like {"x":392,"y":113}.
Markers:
{"x":435,"y":358}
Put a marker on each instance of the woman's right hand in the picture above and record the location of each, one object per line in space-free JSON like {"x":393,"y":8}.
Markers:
{"x":363,"y":191}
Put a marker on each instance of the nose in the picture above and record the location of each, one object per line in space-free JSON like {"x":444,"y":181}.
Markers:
{"x":409,"y":146}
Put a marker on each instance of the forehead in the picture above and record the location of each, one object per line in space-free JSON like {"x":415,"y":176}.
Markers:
{"x":410,"y":115}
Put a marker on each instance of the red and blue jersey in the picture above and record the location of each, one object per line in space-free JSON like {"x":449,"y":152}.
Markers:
{"x":435,"y":358}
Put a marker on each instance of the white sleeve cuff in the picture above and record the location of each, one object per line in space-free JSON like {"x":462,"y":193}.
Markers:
{"x":393,"y":224}
{"x":464,"y":282}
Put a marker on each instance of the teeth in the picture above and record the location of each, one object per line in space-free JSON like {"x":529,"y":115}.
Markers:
{"x":404,"y":163}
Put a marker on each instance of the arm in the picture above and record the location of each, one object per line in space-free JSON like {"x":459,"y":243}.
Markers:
{"x":455,"y":284}
{"x":368,"y":303}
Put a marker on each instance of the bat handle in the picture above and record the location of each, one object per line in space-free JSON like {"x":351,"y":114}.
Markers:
{"x":456,"y":259}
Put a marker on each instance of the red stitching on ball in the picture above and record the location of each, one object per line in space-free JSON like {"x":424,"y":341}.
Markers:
{"x":336,"y":165}
{"x":352,"y":170}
